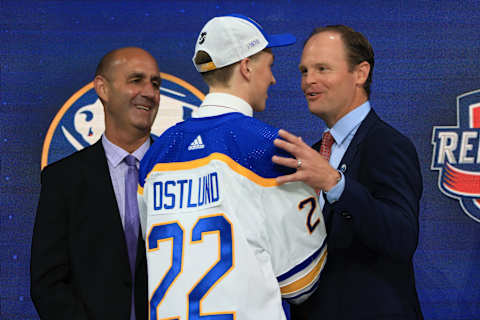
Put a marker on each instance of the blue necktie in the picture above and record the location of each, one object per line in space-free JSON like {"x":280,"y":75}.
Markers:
{"x":131,"y":219}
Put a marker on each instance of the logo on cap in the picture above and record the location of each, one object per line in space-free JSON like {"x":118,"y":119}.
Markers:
{"x":202,"y":37}
{"x":253,"y":43}
{"x":456,"y":155}
{"x":80,"y":122}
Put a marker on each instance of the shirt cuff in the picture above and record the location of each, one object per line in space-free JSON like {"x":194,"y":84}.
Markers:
{"x":336,"y":192}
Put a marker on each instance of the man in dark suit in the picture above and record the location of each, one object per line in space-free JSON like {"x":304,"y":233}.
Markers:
{"x":371,"y":203}
{"x":83,"y":264}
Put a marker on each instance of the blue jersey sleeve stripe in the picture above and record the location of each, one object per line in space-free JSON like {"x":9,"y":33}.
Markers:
{"x":306,"y":280}
{"x":302,"y":265}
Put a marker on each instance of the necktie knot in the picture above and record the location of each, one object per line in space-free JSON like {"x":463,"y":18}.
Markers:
{"x":326,"y":146}
{"x":131,"y":160}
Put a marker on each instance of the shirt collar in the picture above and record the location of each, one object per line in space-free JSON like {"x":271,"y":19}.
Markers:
{"x":115,"y":154}
{"x":218,"y":103}
{"x":348,"y":122}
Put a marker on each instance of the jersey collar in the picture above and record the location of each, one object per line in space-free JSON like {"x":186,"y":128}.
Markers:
{"x":218,"y":103}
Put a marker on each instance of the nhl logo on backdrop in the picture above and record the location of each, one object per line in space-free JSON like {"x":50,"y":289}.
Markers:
{"x":80,"y":122}
{"x":456,"y":155}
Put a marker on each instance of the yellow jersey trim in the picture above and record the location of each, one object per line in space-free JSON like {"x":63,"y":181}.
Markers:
{"x":305,"y":280}
{"x":250,"y":175}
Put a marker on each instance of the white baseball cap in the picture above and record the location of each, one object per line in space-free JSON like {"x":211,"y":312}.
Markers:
{"x":229,"y":39}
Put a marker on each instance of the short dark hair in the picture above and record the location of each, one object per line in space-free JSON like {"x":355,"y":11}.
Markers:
{"x":357,"y":47}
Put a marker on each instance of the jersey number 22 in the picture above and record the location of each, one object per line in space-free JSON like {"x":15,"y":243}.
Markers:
{"x":173,"y":231}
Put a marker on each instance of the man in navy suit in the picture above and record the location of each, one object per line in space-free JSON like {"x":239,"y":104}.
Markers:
{"x":369,"y":183}
{"x":81,"y":267}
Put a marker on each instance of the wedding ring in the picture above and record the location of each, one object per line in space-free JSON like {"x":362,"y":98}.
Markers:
{"x":299,"y":163}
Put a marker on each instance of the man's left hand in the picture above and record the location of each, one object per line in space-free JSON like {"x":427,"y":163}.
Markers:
{"x":312,"y":168}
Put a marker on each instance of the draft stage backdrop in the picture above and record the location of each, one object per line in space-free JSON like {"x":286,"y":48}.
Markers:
{"x":426,"y":83}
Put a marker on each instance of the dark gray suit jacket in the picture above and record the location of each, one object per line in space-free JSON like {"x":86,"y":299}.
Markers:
{"x":79,"y":261}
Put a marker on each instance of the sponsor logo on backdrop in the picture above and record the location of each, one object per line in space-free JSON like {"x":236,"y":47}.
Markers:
{"x":456,"y":155}
{"x":80,"y":122}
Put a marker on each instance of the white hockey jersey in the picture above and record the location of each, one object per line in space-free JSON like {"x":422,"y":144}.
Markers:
{"x":223,"y":238}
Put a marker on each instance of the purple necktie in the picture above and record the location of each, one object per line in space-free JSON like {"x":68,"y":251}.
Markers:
{"x":131,"y":219}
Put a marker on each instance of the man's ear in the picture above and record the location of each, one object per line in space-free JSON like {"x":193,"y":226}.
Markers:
{"x":362,"y":70}
{"x":245,"y":68}
{"x":100,"y":84}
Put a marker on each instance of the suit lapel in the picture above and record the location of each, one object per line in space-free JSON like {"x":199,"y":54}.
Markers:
{"x":101,"y":173}
{"x":96,"y":167}
{"x":360,"y":135}
{"x":97,"y":173}
{"x":349,"y":155}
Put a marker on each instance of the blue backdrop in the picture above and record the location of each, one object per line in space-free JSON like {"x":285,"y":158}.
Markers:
{"x":427,"y":54}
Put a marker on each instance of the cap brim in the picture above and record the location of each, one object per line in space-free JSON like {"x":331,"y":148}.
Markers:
{"x":280,"y":40}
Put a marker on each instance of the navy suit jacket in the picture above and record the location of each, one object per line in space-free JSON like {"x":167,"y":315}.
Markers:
{"x":372,"y":231}
{"x":79,"y":260}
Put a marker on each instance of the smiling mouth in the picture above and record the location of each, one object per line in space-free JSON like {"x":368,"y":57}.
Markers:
{"x":146,"y":108}
{"x":312,"y":94}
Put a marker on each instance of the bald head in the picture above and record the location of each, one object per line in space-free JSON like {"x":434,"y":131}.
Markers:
{"x":127,"y":82}
{"x":114,"y":57}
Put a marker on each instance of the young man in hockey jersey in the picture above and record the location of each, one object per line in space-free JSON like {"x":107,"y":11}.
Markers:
{"x":222,"y":237}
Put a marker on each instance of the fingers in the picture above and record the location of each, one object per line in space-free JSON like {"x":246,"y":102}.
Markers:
{"x":290,"y":137}
{"x":287,"y":178}
{"x":287,"y":135}
{"x":282,"y":144}
{"x":283,"y":161}
{"x":290,"y":143}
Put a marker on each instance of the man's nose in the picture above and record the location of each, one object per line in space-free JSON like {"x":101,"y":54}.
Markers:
{"x":309,"y":77}
{"x":149,"y":90}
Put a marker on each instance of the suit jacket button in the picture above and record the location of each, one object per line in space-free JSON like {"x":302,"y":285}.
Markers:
{"x":346,"y":215}
{"x":127,"y":283}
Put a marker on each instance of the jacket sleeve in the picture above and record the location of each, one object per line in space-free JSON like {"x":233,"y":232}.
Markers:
{"x":50,"y":272}
{"x":380,"y":204}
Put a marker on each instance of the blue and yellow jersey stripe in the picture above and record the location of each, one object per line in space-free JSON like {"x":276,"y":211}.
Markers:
{"x":300,"y":279}
{"x":236,"y":167}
